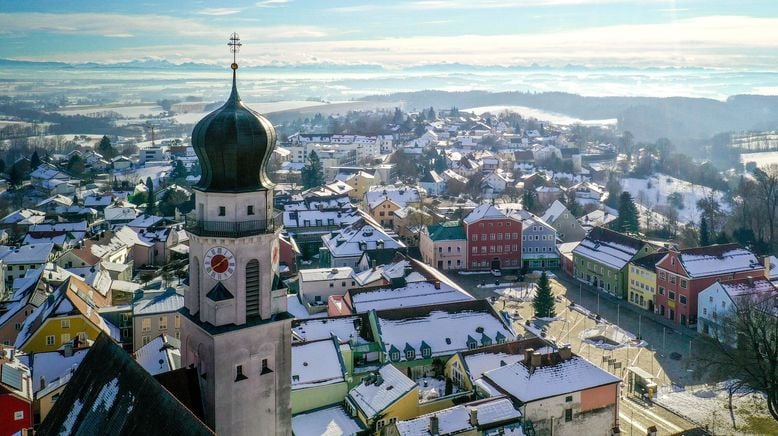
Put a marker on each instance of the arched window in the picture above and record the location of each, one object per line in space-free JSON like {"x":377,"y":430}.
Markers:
{"x":252,"y":288}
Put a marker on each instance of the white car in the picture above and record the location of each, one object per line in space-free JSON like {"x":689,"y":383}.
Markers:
{"x":496,"y":272}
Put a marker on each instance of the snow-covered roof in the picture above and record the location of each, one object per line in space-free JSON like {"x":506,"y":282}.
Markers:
{"x":332,"y":421}
{"x":719,"y":259}
{"x":743,"y":287}
{"x":374,"y":398}
{"x":455,"y":420}
{"x":26,"y":254}
{"x":485,"y":211}
{"x":161,"y":354}
{"x":145,"y":221}
{"x":344,"y":328}
{"x":167,"y":301}
{"x":564,"y":377}
{"x":400,"y":195}
{"x":316,"y":364}
{"x":610,"y":248}
{"x":53,"y":365}
{"x":413,"y":294}
{"x":24,"y":217}
{"x":359,"y":237}
{"x":445,"y":328}
{"x":325,"y":274}
{"x":554,"y":211}
{"x":479,"y":363}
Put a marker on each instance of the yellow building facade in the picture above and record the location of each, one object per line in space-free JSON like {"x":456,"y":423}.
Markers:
{"x":642,"y":286}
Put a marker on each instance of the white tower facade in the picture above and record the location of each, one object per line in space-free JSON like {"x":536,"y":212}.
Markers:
{"x":235,"y":328}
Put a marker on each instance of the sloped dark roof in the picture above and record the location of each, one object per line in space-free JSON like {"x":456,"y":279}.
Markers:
{"x":602,"y":234}
{"x":219,"y":293}
{"x":111,"y":394}
{"x":649,"y":261}
{"x":185,"y":386}
{"x":447,"y":231}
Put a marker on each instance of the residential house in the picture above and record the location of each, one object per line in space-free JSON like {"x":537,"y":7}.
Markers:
{"x":329,"y":420}
{"x":642,"y":281}
{"x":318,"y":284}
{"x":28,"y":294}
{"x":433,"y":183}
{"x":318,"y":375}
{"x":444,"y":245}
{"x":156,"y":313}
{"x":597,"y":218}
{"x":487,"y":416}
{"x":69,"y":312}
{"x":409,"y":222}
{"x":359,"y":244}
{"x":557,"y":390}
{"x":602,"y":259}
{"x":547,"y":195}
{"x":15,"y":395}
{"x":360,"y":182}
{"x":494,"y":238}
{"x":18,"y":260}
{"x":51,"y":372}
{"x":538,"y":242}
{"x":18,"y":222}
{"x":719,"y":300}
{"x":307,"y":219}
{"x":682,"y":275}
{"x":62,"y":235}
{"x":383,"y":398}
{"x":567,"y":227}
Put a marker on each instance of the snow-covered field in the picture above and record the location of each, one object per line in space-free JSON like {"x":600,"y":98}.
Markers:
{"x":263,"y":108}
{"x":707,"y":405}
{"x":662,"y":186}
{"x":552,"y":117}
{"x":762,"y":159}
{"x":127,"y":111}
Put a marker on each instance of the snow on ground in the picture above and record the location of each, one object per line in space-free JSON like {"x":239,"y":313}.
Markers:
{"x":762,"y":159}
{"x":431,"y":388}
{"x":126,"y":111}
{"x":523,"y":293}
{"x":704,"y":404}
{"x":662,"y":186}
{"x":552,"y":117}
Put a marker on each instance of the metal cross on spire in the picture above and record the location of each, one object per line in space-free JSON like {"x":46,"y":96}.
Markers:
{"x":234,"y":45}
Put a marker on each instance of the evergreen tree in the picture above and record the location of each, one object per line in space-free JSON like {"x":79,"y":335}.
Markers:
{"x":543,"y":303}
{"x":528,"y":199}
{"x":15,"y":175}
{"x":76,"y":165}
{"x":2,"y":165}
{"x":312,"y":174}
{"x":106,"y":149}
{"x":35,"y":160}
{"x":150,"y":198}
{"x":704,"y":233}
{"x":628,"y":214}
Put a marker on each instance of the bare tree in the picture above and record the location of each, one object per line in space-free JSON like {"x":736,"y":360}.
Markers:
{"x":767,"y":182}
{"x":743,"y":345}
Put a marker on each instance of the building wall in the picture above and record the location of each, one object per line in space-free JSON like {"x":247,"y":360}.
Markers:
{"x":307,"y":399}
{"x":383,"y":213}
{"x":568,"y":229}
{"x":309,"y":290}
{"x":596,"y":274}
{"x":642,"y":286}
{"x":9,"y":330}
{"x":141,"y":337}
{"x":538,"y":246}
{"x":53,"y":326}
{"x":443,"y":255}
{"x":405,"y":408}
{"x":487,"y":240}
{"x":46,"y":402}
{"x":548,"y":415}
{"x":15,"y":414}
{"x":713,"y":306}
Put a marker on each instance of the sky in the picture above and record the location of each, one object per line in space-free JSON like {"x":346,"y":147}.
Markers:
{"x":741,"y":35}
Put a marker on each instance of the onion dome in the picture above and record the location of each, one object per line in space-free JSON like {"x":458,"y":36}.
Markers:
{"x":234,"y":144}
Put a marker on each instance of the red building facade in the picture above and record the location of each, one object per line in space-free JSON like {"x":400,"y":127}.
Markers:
{"x":682,"y":275}
{"x":493,"y":239}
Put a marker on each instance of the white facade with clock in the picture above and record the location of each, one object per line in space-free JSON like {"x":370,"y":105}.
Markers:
{"x":235,"y":327}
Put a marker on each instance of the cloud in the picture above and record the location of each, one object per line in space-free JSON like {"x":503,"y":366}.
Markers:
{"x":159,"y":26}
{"x":481,"y":4}
{"x":272,"y":3}
{"x":219,"y":11}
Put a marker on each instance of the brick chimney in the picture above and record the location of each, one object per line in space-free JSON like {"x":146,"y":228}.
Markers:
{"x":528,"y":355}
{"x":565,"y":353}
{"x":434,"y":425}
{"x":474,"y":417}
{"x":535,"y":359}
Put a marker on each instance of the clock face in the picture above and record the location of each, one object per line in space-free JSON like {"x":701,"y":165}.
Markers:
{"x":219,"y":263}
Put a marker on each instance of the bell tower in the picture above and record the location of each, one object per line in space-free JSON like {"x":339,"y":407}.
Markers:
{"x":235,"y":327}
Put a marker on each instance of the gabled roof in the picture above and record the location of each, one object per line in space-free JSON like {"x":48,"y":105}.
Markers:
{"x":161,"y":354}
{"x":610,"y":248}
{"x":718,"y":259}
{"x":457,"y":419}
{"x":554,"y":211}
{"x":111,"y":394}
{"x":373,"y":398}
{"x":316,"y":364}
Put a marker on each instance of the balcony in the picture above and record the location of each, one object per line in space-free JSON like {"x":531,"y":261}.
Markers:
{"x":229,"y":229}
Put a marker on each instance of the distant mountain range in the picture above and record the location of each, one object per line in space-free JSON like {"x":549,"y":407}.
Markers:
{"x":680,"y":119}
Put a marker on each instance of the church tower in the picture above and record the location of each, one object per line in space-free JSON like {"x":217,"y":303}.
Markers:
{"x":235,"y":327}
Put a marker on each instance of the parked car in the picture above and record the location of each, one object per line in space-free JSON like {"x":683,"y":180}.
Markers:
{"x":496,"y":272}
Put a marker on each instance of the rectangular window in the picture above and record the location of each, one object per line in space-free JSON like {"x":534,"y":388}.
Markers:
{"x":661,"y":290}
{"x":50,"y":340}
{"x":671,"y":295}
{"x":145,"y":339}
{"x":163,"y":323}
{"x":146,"y":325}
{"x":222,"y":211}
{"x":661,"y":275}
{"x":239,"y":373}
{"x":475,"y":237}
{"x":64,"y":338}
{"x":178,"y":321}
{"x":483,"y":236}
{"x":475,"y":250}
{"x":683,"y":283}
{"x":65,"y":323}
{"x":410,"y":354}
{"x":568,"y":415}
{"x":569,"y":399}
{"x":682,"y":299}
{"x":265,"y":367}
{"x":249,"y":210}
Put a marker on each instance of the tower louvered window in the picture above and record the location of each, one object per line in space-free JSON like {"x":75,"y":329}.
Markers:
{"x":252,"y":288}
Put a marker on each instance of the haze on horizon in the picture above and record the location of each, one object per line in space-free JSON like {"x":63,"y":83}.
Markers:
{"x":729,"y":47}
